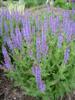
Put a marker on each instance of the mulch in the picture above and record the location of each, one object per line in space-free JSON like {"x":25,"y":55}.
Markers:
{"x":8,"y":91}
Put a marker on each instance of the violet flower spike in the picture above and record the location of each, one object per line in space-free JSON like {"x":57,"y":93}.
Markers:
{"x":18,"y":37}
{"x":44,"y":46}
{"x":38,"y":48}
{"x":66,"y":55}
{"x":14,"y":41}
{"x":9,"y":43}
{"x":6,"y":27}
{"x":45,"y":25}
{"x":37,"y":22}
{"x":54,"y":22}
{"x":11,"y":27}
{"x":8,"y":15}
{"x":7,"y":61}
{"x":60,"y":41}
{"x":1,"y":21}
{"x":37,"y":73}
{"x":26,"y":33}
{"x":41,"y":86}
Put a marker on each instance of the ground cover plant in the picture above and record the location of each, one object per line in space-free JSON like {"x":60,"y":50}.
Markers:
{"x":38,"y":52}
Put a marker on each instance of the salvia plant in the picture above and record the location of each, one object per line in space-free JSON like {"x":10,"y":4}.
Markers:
{"x":39,"y":52}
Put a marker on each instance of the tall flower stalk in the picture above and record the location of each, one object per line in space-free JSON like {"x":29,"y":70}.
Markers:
{"x":66,"y":55}
{"x":37,"y":73}
{"x":7,"y":60}
{"x":38,"y":48}
{"x":60,"y":40}
{"x":44,"y":46}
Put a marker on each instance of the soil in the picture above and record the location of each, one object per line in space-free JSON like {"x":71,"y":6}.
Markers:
{"x":9,"y":92}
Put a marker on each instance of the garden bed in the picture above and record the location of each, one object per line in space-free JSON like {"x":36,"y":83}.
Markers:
{"x":7,"y":90}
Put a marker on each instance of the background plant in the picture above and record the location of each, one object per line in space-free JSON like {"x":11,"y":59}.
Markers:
{"x":33,"y":3}
{"x":63,"y":4}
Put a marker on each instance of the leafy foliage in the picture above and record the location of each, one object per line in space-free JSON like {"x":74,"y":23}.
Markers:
{"x":63,"y":4}
{"x":22,"y":74}
{"x":33,"y":3}
{"x":42,"y":61}
{"x":59,"y":78}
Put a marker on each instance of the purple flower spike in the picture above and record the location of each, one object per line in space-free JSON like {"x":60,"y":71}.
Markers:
{"x":5,"y":38}
{"x":5,"y":27}
{"x":73,"y":27}
{"x":26,"y":33}
{"x":14,"y":41}
{"x":37,"y":72}
{"x":66,"y":55}
{"x":8,"y":14}
{"x":44,"y":46}
{"x":37,"y":22}
{"x":60,"y":41}
{"x":41,"y":86}
{"x":38,"y":48}
{"x":1,"y":21}
{"x":54,"y":22}
{"x":69,"y":29}
{"x":45,"y":25}
{"x":9,"y":43}
{"x":7,"y":61}
{"x":66,"y":14}
{"x":73,"y":1}
{"x":18,"y":36}
{"x":11,"y":27}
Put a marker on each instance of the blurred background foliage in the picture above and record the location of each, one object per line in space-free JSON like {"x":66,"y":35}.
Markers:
{"x":63,"y":4}
{"x":33,"y":3}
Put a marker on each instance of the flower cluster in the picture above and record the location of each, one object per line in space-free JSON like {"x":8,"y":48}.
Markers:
{"x":42,"y":47}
